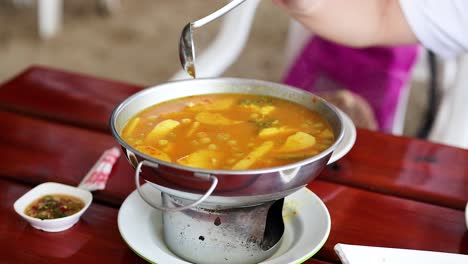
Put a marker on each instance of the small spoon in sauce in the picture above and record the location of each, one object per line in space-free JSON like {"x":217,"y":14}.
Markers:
{"x":186,"y":45}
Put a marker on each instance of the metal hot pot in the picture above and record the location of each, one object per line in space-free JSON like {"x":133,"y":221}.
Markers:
{"x":206,"y":195}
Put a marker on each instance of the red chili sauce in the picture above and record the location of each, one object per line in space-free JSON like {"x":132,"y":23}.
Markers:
{"x":54,"y":206}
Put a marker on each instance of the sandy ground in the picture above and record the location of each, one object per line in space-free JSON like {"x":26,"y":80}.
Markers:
{"x":139,"y":43}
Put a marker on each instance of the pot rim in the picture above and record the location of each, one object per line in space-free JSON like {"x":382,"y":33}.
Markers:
{"x":227,"y":80}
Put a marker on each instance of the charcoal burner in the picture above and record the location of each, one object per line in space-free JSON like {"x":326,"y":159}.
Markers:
{"x":232,"y":235}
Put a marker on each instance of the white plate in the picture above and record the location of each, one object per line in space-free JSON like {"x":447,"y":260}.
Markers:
{"x":466,"y":215}
{"x":306,"y":218}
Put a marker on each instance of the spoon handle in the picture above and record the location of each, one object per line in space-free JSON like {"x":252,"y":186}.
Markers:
{"x":223,"y":10}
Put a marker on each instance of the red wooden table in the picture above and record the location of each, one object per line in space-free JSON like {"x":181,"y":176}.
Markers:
{"x":387,"y":191}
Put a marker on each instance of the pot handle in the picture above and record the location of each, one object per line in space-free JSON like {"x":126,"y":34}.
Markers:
{"x":347,"y":142}
{"x":180,"y":208}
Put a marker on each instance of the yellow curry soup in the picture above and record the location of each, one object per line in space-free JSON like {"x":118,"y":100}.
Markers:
{"x":229,"y":131}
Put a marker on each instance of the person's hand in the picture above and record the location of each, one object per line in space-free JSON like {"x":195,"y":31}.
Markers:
{"x":356,"y":107}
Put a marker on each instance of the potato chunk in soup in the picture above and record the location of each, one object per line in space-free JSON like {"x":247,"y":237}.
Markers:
{"x":229,"y":131}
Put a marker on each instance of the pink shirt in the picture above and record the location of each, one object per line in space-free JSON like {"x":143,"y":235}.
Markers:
{"x":377,"y":74}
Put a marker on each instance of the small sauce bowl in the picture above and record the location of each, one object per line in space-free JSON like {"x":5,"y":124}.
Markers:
{"x":48,"y":188}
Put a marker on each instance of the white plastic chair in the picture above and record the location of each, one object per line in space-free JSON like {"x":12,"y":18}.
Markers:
{"x":49,"y":17}
{"x":233,"y":35}
{"x":450,"y":126}
{"x":50,"y":12}
{"x":451,"y":123}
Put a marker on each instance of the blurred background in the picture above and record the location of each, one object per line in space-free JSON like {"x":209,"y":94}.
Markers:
{"x":137,"y":42}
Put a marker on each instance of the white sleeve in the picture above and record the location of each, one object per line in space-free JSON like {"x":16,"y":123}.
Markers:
{"x":440,"y":25}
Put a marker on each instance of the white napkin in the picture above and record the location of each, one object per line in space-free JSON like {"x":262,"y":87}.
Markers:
{"x":353,"y":254}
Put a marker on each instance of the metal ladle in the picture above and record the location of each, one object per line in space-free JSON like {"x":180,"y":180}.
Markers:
{"x":186,"y":46}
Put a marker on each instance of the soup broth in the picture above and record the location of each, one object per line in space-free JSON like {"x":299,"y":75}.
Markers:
{"x":229,"y":131}
{"x":54,"y":206}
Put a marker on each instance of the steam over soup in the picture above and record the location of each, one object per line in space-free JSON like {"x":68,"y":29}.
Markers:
{"x":228,"y":131}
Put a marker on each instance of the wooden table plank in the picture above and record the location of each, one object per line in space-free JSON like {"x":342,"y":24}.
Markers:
{"x":95,"y":238}
{"x":63,"y":96}
{"x":315,"y":261}
{"x":397,"y":223}
{"x":411,"y":168}
{"x":37,"y":151}
{"x":352,"y":210}
{"x":398,"y":166}
{"x":372,"y":219}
